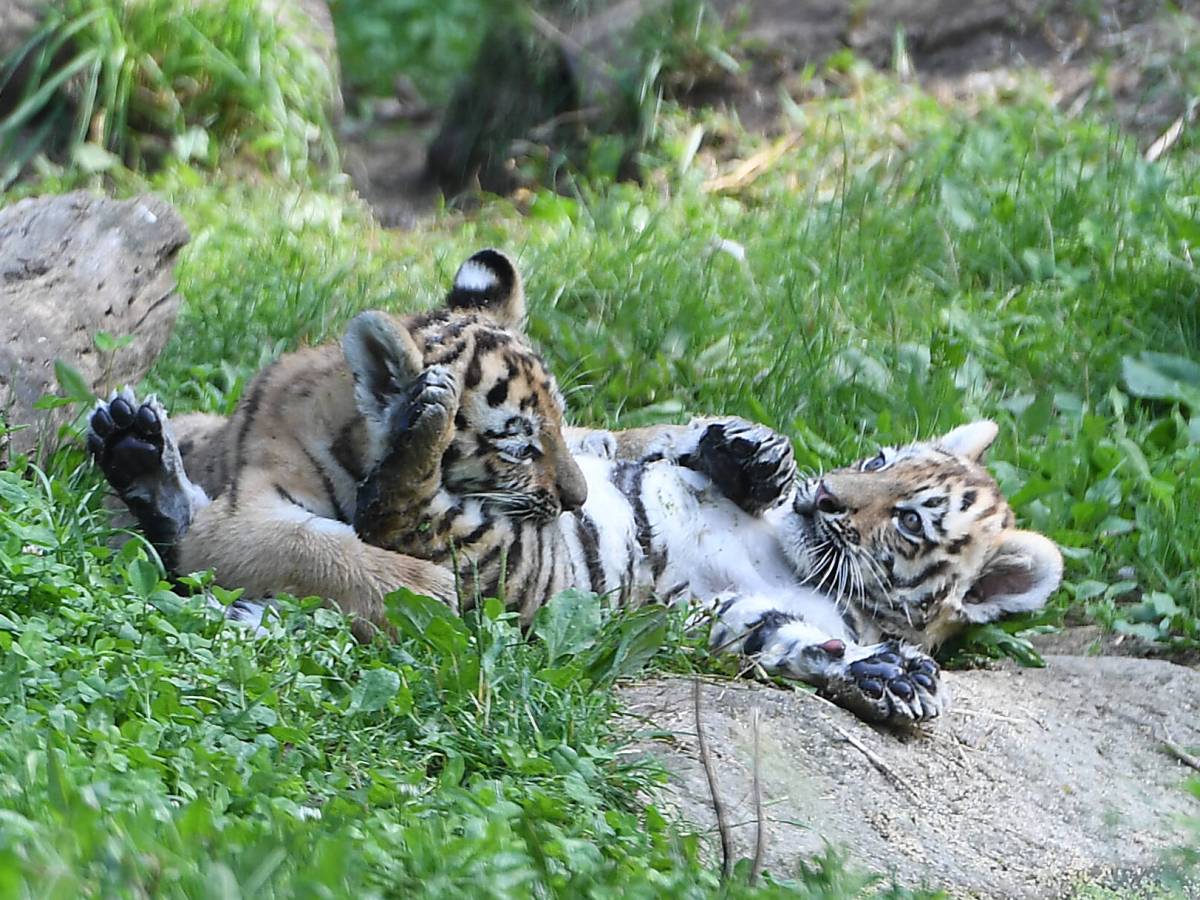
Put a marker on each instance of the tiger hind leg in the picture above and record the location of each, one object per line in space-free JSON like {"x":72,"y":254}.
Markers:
{"x":394,"y":495}
{"x":890,"y":682}
{"x":136,"y":450}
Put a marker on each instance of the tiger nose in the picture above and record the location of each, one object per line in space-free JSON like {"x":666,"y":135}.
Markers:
{"x":572,"y":487}
{"x":825,"y":501}
{"x":572,"y":496}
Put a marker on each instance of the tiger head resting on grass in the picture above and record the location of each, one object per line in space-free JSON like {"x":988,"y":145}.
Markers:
{"x":437,"y":440}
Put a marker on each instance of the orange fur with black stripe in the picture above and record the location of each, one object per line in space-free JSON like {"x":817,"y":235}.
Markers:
{"x":266,"y":497}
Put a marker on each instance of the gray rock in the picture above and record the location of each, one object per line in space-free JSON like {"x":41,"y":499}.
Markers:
{"x":72,"y":266}
{"x":1039,"y":780}
{"x":18,"y":19}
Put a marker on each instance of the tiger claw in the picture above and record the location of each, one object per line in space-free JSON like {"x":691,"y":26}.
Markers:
{"x":749,"y":463}
{"x":890,"y":683}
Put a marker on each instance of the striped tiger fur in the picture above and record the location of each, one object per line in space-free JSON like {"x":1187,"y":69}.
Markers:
{"x":452,"y":457}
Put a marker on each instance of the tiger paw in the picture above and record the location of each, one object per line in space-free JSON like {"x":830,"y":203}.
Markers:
{"x":134,"y":447}
{"x":126,"y":439}
{"x":426,"y":411}
{"x":890,"y":683}
{"x":598,"y":442}
{"x":749,"y":463}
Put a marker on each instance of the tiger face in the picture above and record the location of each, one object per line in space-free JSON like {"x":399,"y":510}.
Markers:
{"x":500,"y":434}
{"x":508,"y":445}
{"x":919,"y":539}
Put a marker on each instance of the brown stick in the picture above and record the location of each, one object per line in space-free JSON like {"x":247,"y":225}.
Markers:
{"x":760,"y":840}
{"x":711,"y":775}
{"x":1178,"y":752}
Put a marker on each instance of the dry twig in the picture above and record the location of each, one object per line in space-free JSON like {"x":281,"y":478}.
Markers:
{"x":759,"y":830}
{"x":749,"y":169}
{"x":714,"y":792}
{"x":872,"y":757}
{"x":1171,"y":136}
{"x":875,"y":759}
{"x":1178,"y":752}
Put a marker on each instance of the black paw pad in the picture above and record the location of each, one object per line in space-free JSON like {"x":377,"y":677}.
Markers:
{"x":894,"y":684}
{"x":902,"y":688}
{"x":121,"y":413}
{"x":874,"y":667}
{"x":923,"y":671}
{"x":147,"y":422}
{"x":126,"y":442}
{"x":750,"y":464}
{"x":872,"y":687}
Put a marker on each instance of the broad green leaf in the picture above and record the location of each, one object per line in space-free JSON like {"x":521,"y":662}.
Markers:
{"x":640,"y":636}
{"x":568,"y":624}
{"x":413,"y":613}
{"x":1143,"y":630}
{"x":143,"y":577}
{"x":106,"y":343}
{"x":374,"y":690}
{"x":72,"y":383}
{"x":1162,"y":376}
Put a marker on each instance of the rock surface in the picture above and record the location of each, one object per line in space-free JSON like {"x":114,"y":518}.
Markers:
{"x":1038,"y":780}
{"x":18,"y":19}
{"x":72,"y":266}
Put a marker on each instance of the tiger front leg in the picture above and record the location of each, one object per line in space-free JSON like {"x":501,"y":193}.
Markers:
{"x":748,"y":463}
{"x":892,"y":683}
{"x":393,"y":497}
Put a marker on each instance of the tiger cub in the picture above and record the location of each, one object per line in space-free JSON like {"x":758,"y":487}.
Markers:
{"x":266,"y":497}
{"x":836,"y":580}
{"x":454,"y":460}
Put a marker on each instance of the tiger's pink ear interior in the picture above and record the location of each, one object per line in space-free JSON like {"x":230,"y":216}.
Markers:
{"x":970,"y":440}
{"x":1022,"y":573}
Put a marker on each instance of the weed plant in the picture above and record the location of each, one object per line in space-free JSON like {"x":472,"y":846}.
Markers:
{"x":104,"y":82}
{"x":902,"y":269}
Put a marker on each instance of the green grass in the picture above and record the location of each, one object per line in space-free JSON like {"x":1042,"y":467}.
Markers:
{"x":1016,"y":265}
{"x":108,"y":82}
{"x":151,"y":748}
{"x":432,"y":49}
{"x":902,"y":269}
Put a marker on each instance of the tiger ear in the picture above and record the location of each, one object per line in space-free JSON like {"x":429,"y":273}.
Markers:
{"x":383,"y":358}
{"x":1022,"y":573}
{"x":970,"y":440}
{"x":489,"y":283}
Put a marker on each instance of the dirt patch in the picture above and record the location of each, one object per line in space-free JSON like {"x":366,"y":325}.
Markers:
{"x":386,"y":162}
{"x":963,"y":53}
{"x":1038,"y":780}
{"x":1093,"y":640}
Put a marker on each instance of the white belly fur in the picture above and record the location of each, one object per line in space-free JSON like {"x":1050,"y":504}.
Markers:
{"x":711,"y":545}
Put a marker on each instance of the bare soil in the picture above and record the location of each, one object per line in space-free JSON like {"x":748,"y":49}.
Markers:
{"x":1037,"y":782}
{"x":960,"y":51}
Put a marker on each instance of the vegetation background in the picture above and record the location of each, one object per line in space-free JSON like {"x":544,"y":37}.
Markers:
{"x":879,"y":264}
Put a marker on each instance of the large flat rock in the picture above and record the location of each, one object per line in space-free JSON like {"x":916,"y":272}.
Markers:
{"x":1038,"y":780}
{"x":72,"y":266}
